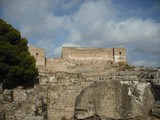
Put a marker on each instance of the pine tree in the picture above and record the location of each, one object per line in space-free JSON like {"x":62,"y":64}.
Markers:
{"x":17,"y":66}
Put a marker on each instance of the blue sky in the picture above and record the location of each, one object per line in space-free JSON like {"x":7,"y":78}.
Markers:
{"x":52,"y":24}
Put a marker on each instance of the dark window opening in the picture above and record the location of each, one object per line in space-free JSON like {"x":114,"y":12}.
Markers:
{"x":37,"y":54}
{"x":120,"y":53}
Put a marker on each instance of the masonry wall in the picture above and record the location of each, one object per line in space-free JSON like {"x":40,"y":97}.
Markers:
{"x":119,"y":54}
{"x":56,"y":94}
{"x":63,"y":88}
{"x":53,"y":64}
{"x":87,"y":53}
{"x":71,"y":56}
{"x":39,"y":55}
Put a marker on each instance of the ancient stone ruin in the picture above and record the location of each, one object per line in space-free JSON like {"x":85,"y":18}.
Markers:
{"x":85,"y":84}
{"x":78,"y":54}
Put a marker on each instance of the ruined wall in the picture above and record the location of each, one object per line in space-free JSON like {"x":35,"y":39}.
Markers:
{"x":22,"y":104}
{"x":87,"y":53}
{"x":115,"y":100}
{"x":39,"y":55}
{"x":73,"y":56}
{"x":55,"y":64}
{"x":63,"y":89}
{"x":56,"y":96}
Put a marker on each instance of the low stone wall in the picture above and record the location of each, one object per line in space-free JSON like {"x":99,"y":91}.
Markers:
{"x":55,"y":97}
{"x":20,"y":104}
{"x":63,"y":88}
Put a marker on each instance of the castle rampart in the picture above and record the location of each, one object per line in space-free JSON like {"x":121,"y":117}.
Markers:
{"x":87,"y":53}
{"x":105,"y":54}
{"x":119,"y":54}
{"x":76,"y":55}
{"x":39,"y":55}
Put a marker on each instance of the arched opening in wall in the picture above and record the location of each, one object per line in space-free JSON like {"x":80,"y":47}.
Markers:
{"x":120,"y":53}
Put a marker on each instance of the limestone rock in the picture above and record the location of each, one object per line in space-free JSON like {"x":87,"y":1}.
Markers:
{"x":22,"y":104}
{"x":115,"y":100}
{"x":39,"y":105}
{"x":34,"y":118}
{"x":155,"y":112}
{"x":8,"y":95}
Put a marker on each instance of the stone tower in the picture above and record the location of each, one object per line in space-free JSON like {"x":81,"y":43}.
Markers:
{"x":119,"y":54}
{"x":39,"y":55}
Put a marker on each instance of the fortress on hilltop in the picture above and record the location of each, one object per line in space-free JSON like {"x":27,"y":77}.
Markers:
{"x":78,"y":54}
{"x":105,"y":54}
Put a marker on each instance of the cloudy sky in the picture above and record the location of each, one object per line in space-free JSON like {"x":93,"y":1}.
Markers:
{"x":51,"y":24}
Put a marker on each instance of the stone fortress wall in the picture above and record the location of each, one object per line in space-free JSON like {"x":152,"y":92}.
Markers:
{"x":87,"y":53}
{"x":78,"y":54}
{"x":119,"y":54}
{"x":55,"y":97}
{"x":106,"y":54}
{"x":38,"y":54}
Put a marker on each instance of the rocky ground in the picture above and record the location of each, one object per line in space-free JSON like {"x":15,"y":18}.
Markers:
{"x":96,"y":92}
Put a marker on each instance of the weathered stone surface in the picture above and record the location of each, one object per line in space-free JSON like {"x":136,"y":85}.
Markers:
{"x":54,"y":98}
{"x":155,"y":112}
{"x":2,"y":116}
{"x":19,"y":95}
{"x":115,"y":100}
{"x":21,"y":104}
{"x":8,"y":95}
{"x":33,"y":118}
{"x":40,"y":107}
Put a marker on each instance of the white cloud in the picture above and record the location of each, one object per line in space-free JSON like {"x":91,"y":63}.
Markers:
{"x":95,"y":24}
{"x":130,"y":30}
{"x":146,"y":63}
{"x":69,"y":4}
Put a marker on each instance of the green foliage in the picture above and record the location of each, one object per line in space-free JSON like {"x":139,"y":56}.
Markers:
{"x":17,"y":66}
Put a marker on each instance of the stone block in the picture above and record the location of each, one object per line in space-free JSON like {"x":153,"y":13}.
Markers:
{"x":114,"y":99}
{"x":53,"y":79}
{"x":33,"y":118}
{"x":19,"y":95}
{"x":8,"y":96}
{"x":43,"y":81}
{"x":155,"y":112}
